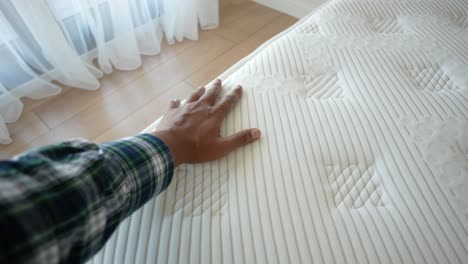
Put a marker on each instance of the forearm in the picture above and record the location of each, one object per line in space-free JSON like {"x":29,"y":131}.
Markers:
{"x":61,"y":203}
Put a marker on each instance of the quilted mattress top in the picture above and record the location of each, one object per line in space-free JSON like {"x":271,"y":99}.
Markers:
{"x":363,"y":107}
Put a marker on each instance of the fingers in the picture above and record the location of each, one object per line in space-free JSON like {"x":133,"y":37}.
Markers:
{"x":195,"y":96}
{"x":212,"y":94}
{"x":174,"y":104}
{"x":239,"y":139}
{"x":228,"y":102}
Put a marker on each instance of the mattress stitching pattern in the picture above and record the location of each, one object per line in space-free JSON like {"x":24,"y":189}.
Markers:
{"x":364,"y":158}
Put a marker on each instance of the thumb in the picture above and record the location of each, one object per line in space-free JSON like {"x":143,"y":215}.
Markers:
{"x":240,"y":139}
{"x":174,"y":104}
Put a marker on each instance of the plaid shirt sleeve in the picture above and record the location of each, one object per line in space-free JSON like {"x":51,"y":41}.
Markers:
{"x":60,"y":203}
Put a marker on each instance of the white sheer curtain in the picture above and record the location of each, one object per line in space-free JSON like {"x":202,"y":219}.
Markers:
{"x":46,"y":40}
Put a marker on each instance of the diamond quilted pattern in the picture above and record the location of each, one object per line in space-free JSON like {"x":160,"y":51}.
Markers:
{"x":354,"y":186}
{"x":432,"y":79}
{"x":198,"y":191}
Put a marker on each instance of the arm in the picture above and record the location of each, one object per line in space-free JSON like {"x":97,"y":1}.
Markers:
{"x":60,"y":204}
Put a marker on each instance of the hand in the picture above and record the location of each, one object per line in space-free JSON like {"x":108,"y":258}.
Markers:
{"x":192,"y":130}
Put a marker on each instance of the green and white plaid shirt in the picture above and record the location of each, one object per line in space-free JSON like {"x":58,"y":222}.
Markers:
{"x":61,"y":203}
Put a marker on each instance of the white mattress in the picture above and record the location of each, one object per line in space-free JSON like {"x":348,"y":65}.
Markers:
{"x":363,"y":158}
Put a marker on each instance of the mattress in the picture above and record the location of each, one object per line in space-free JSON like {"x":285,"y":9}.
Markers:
{"x":363,"y":158}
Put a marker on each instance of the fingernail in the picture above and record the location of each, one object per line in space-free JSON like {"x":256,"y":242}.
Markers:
{"x":238,"y":87}
{"x":255,"y":133}
{"x":218,"y":81}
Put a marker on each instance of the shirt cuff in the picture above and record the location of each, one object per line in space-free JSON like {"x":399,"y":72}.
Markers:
{"x":147,"y":166}
{"x":164,"y":154}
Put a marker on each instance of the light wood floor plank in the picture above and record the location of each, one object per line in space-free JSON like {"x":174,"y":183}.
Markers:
{"x":146,"y":115}
{"x":63,"y":107}
{"x":247,"y":24}
{"x":232,"y":13}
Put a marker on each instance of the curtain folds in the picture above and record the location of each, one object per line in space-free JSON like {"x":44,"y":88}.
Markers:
{"x":46,"y":40}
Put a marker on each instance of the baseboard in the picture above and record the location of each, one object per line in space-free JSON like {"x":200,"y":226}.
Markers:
{"x":289,"y":7}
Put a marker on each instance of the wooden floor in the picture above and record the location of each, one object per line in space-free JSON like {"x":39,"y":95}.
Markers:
{"x":128,"y":102}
